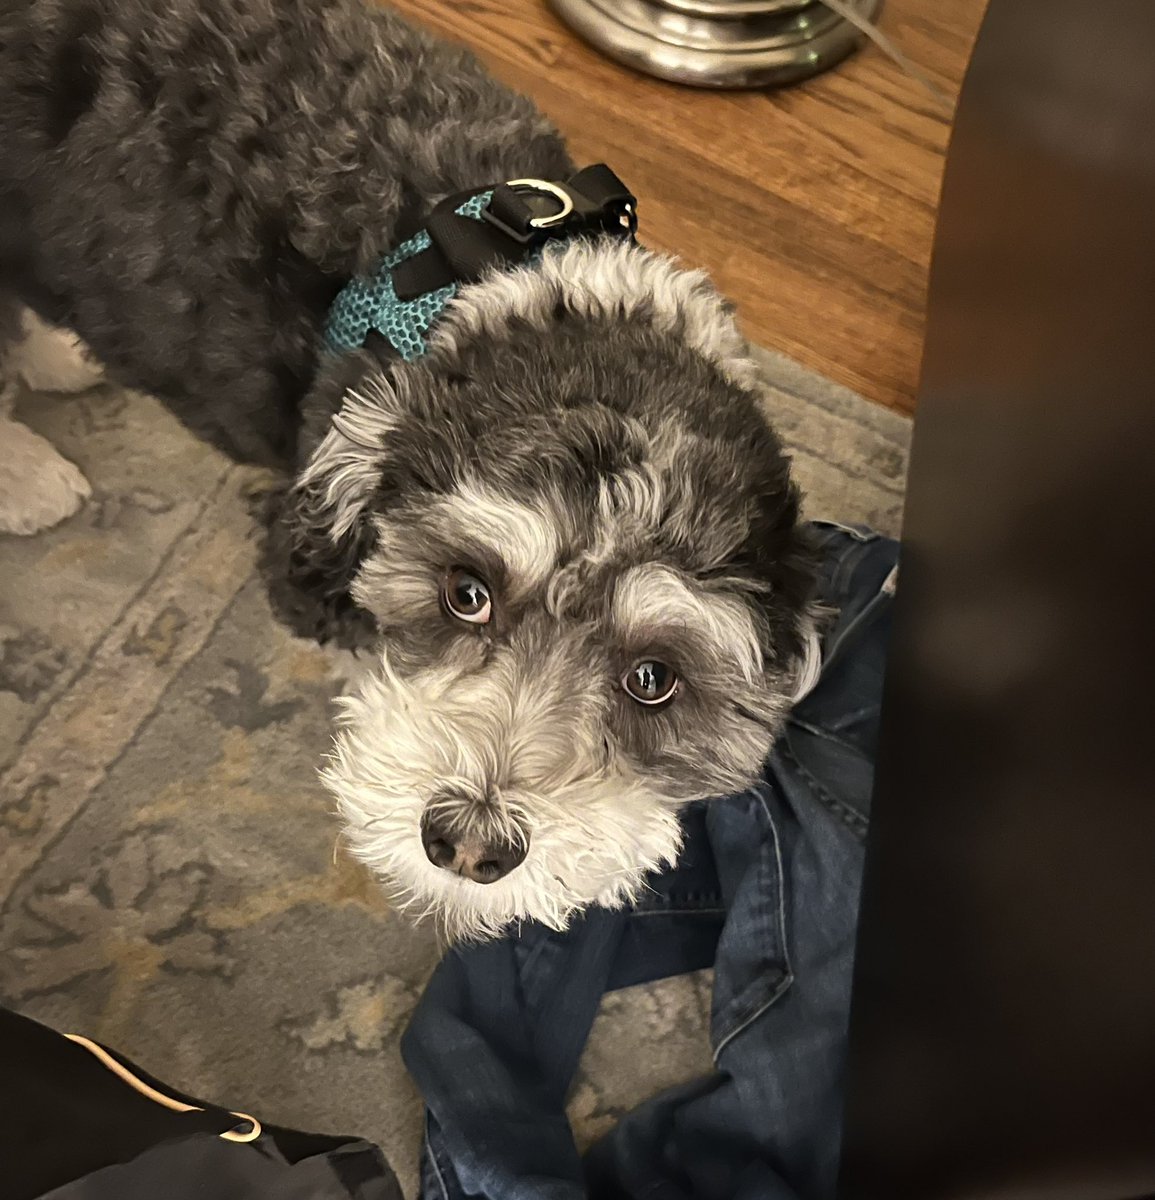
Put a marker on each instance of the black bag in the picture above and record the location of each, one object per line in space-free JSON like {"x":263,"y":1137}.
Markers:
{"x":79,"y":1122}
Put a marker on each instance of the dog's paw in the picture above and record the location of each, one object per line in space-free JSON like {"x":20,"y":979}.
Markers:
{"x":38,"y":487}
{"x":54,"y":360}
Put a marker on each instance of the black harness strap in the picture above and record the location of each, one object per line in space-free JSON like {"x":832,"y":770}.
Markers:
{"x":520,"y":216}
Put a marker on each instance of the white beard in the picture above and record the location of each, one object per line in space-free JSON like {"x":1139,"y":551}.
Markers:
{"x":595,"y":830}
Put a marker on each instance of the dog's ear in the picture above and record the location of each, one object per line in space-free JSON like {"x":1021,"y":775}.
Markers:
{"x":320,"y":529}
{"x":809,"y":664}
{"x":780,"y":554}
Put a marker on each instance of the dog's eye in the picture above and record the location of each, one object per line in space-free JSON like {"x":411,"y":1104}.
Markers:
{"x":467,"y":597}
{"x":650,"y":682}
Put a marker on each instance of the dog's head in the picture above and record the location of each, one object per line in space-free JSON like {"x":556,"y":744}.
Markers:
{"x":578,"y":542}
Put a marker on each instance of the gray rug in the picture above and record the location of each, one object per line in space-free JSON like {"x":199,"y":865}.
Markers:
{"x":168,"y":882}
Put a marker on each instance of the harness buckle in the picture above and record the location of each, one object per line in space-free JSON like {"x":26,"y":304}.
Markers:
{"x":550,"y":189}
{"x":509,"y":212}
{"x":594,"y":199}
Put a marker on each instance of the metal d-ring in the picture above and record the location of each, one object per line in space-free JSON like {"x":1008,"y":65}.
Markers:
{"x":170,"y":1102}
{"x":550,"y":189}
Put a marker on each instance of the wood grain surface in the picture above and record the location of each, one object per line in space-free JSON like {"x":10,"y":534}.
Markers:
{"x":812,"y":207}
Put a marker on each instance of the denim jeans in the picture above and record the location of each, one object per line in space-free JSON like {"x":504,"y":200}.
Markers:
{"x":766,"y":891}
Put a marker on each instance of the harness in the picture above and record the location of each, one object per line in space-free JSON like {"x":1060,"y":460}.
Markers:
{"x":465,"y":236}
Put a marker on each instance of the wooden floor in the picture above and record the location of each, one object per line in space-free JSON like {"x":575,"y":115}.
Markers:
{"x":812,"y":207}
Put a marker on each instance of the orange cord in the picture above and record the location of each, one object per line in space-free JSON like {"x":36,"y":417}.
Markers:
{"x":169,"y":1102}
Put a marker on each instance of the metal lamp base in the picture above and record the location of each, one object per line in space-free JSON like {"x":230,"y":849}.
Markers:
{"x":718,"y":43}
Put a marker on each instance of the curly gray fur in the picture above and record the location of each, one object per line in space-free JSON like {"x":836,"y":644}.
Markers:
{"x":186,"y":184}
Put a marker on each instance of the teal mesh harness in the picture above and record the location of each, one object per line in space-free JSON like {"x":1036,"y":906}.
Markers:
{"x":373,"y":303}
{"x":392,"y":310}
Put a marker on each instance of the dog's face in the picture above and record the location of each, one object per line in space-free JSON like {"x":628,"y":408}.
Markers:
{"x":579,"y":547}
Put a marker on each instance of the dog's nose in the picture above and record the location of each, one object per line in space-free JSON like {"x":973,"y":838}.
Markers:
{"x":483,"y":862}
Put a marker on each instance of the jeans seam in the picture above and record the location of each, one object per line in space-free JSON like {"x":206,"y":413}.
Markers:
{"x":857,"y":823}
{"x":832,"y":656}
{"x":679,"y":894}
{"x":853,"y":717}
{"x":835,"y":734}
{"x":859,"y":533}
{"x":678,"y":912}
{"x":784,"y":983}
{"x":788,"y":970}
{"x":435,"y":1164}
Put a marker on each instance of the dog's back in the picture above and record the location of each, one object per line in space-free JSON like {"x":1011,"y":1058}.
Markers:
{"x":187,"y":185}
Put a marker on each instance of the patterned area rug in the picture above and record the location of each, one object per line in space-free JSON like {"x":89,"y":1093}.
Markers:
{"x":168,"y":875}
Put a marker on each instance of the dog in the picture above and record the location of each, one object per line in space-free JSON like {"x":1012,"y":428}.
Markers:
{"x":536,"y":493}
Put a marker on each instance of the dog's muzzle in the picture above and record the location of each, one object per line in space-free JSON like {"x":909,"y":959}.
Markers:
{"x":473,"y":857}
